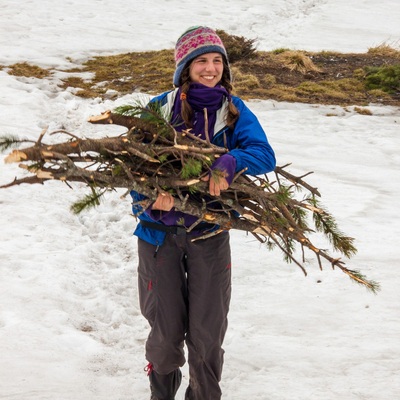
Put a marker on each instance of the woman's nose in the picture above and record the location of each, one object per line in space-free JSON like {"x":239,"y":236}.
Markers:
{"x":209,"y":66}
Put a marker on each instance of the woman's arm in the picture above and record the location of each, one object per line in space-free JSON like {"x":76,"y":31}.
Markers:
{"x":250,"y":145}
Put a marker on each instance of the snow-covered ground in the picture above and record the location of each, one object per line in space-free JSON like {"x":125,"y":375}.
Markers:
{"x":70,"y":326}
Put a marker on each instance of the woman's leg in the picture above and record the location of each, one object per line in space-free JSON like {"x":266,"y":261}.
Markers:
{"x":162,"y":296}
{"x":209,"y":292}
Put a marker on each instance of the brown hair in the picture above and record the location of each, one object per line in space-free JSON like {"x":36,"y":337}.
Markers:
{"x":187,"y":112}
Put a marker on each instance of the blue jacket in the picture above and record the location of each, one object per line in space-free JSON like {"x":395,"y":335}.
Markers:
{"x":247,"y":142}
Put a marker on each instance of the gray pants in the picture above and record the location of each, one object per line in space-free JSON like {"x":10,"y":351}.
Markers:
{"x":185,"y":290}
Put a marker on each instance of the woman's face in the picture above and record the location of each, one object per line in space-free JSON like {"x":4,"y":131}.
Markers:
{"x":207,"y":69}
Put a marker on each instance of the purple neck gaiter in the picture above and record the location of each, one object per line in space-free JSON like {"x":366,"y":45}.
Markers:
{"x":199,"y":98}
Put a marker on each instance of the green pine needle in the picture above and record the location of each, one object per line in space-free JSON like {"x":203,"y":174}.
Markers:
{"x":361,"y":279}
{"x":325,"y":223}
{"x":270,"y":245}
{"x":128,"y":110}
{"x":192,"y":168}
{"x":9,"y":141}
{"x":283,"y":195}
{"x":192,"y":189}
{"x":300,"y":216}
{"x":151,"y":112}
{"x":289,"y":246}
{"x":89,"y":201}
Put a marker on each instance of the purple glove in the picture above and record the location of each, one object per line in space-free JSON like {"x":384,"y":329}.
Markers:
{"x":226,"y":163}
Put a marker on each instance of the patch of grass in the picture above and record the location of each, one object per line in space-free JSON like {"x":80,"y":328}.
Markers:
{"x":297,"y":61}
{"x":362,"y":111}
{"x":84,"y":88}
{"x":243,"y":81}
{"x":326,"y":92}
{"x":28,"y":70}
{"x":384,"y":50}
{"x":75,"y":82}
{"x":280,"y":50}
{"x":268,"y":80}
{"x":281,"y":93}
{"x":380,"y":96}
{"x":329,"y":54}
{"x":149,"y":72}
{"x":359,"y":73}
{"x":341,"y":92}
{"x":347,"y":85}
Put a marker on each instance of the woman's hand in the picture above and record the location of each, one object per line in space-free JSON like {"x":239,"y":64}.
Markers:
{"x":216,"y":184}
{"x":164,"y":202}
{"x":221,"y":174}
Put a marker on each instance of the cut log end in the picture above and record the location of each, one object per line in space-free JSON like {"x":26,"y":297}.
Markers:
{"x":15,"y":156}
{"x":44,"y":175}
{"x":104,"y":117}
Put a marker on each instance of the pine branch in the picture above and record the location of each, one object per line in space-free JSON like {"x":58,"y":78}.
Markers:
{"x":324,"y":222}
{"x":11,"y":141}
{"x":151,"y":157}
{"x":358,"y":277}
{"x":297,"y":180}
{"x":89,"y":201}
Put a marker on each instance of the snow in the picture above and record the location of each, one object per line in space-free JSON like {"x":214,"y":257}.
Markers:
{"x":70,"y":324}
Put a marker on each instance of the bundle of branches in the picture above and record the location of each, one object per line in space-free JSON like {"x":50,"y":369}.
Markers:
{"x":151,"y":157}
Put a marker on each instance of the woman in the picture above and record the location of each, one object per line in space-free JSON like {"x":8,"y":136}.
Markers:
{"x":185,"y":286}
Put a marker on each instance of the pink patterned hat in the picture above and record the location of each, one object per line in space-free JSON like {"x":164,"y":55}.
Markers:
{"x":195,"y":41}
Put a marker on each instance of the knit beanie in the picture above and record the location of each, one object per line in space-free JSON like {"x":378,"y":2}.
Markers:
{"x":195,"y":41}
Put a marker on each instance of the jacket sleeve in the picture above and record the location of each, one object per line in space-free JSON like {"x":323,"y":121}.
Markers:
{"x":250,"y":145}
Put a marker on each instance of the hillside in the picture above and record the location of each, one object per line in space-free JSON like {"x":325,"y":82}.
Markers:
{"x":282,"y":74}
